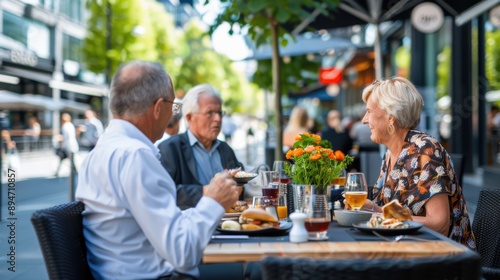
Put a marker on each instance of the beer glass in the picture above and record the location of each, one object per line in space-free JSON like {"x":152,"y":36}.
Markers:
{"x":356,"y":190}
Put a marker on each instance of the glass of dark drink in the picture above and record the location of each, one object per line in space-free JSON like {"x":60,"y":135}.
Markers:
{"x":318,"y":216}
{"x":279,"y":166}
{"x":271,"y":190}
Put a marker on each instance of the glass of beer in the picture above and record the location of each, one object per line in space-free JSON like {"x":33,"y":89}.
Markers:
{"x":356,"y":190}
{"x":339,"y":182}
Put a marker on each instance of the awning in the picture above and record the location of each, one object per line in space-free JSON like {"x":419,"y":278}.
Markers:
{"x":15,"y":101}
{"x":318,"y":92}
{"x":304,"y":44}
{"x":27,"y":74}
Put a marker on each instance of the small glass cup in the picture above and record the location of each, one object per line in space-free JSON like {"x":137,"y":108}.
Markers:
{"x":282,"y":208}
{"x":318,"y":216}
{"x":260,"y":202}
{"x":279,"y":166}
{"x":268,"y":177}
{"x":339,"y":182}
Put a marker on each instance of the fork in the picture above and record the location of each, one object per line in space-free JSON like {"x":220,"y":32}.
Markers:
{"x":399,"y":237}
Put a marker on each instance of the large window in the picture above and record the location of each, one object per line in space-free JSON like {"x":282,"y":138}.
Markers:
{"x":33,"y":35}
{"x":73,"y":9}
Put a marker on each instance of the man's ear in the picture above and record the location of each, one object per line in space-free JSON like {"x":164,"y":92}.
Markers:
{"x":157,"y":108}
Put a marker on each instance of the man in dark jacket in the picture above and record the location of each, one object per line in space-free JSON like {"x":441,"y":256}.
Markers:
{"x":192,"y":158}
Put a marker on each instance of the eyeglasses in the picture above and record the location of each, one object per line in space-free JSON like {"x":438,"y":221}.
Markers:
{"x":176,"y":106}
{"x":210,"y":114}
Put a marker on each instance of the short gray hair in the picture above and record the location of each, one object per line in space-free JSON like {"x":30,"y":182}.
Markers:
{"x":399,"y":98}
{"x":190,"y":100}
{"x":136,"y":86}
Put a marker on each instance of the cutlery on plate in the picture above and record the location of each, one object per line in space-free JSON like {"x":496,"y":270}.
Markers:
{"x":230,"y":236}
{"x":399,"y":237}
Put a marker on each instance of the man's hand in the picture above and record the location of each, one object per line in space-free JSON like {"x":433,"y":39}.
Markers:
{"x":222,"y":188}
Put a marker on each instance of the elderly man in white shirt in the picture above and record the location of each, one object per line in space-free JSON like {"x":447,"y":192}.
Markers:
{"x":132,"y":226}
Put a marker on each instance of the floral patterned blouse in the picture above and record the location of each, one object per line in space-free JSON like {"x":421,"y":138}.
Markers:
{"x":424,"y":169}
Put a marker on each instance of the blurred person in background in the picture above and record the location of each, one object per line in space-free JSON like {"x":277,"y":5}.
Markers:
{"x":92,"y":129}
{"x":297,"y":124}
{"x":336,"y":133}
{"x":66,"y":143}
{"x":228,"y":128}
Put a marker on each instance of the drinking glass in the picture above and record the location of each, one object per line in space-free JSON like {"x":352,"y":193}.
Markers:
{"x":339,"y":181}
{"x":356,"y":190}
{"x":282,"y":208}
{"x":318,"y":216}
{"x":260,"y":202}
{"x":279,"y":166}
{"x":270,"y":183}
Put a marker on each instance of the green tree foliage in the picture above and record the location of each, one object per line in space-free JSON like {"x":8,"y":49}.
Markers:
{"x":201,"y":64}
{"x":264,"y":21}
{"x":493,"y":59}
{"x":138,"y":30}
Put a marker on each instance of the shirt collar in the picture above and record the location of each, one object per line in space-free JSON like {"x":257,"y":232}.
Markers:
{"x":124,"y":127}
{"x":193,"y":140}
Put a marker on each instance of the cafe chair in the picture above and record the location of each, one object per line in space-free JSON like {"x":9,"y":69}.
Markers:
{"x":464,"y":266}
{"x":487,"y":232}
{"x":60,"y":235}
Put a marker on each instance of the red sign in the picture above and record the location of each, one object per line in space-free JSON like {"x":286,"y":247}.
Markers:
{"x":330,"y":75}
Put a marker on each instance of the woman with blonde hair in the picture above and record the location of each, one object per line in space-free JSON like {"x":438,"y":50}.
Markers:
{"x":297,"y":124}
{"x":416,"y":171}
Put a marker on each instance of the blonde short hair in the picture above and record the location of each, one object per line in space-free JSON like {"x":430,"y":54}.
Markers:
{"x":399,"y":98}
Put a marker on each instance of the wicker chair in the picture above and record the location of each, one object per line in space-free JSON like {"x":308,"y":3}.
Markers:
{"x":60,"y":234}
{"x":487,"y":232}
{"x":464,"y":266}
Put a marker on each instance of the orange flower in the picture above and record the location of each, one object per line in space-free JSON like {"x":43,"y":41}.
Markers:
{"x":298,"y":152}
{"x":309,"y":149}
{"x":315,"y":156}
{"x":313,"y":162}
{"x":339,"y":155}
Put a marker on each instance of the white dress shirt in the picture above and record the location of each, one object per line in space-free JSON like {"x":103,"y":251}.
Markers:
{"x":132,"y":226}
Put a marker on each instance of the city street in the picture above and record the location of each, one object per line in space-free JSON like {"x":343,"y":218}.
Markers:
{"x":37,"y":188}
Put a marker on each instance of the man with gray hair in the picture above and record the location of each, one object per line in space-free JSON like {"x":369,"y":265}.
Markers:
{"x":193,"y":157}
{"x":132,"y":226}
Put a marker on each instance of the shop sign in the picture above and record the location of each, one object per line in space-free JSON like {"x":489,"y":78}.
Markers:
{"x":23,"y":57}
{"x":427,"y":17}
{"x":330,"y":75}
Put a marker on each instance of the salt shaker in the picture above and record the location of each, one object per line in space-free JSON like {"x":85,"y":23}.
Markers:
{"x":298,"y":233}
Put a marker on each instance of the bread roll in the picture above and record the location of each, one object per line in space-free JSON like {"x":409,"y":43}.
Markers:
{"x":230,"y":225}
{"x":394,"y":210}
{"x":257,"y":214}
{"x":250,"y":227}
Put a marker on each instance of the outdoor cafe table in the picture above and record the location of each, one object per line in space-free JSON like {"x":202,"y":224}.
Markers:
{"x":343,"y":243}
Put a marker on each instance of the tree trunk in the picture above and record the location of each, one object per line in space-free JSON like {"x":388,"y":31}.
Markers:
{"x":276,"y":68}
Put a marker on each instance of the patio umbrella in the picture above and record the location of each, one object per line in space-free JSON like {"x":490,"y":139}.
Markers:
{"x":355,"y":12}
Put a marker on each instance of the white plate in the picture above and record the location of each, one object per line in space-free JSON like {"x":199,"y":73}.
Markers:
{"x":412,"y":227}
{"x":282,"y":230}
{"x":232,"y":215}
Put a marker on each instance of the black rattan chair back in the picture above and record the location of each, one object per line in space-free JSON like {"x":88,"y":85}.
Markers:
{"x":465,"y":266}
{"x":60,"y":235}
{"x":486,"y":228}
